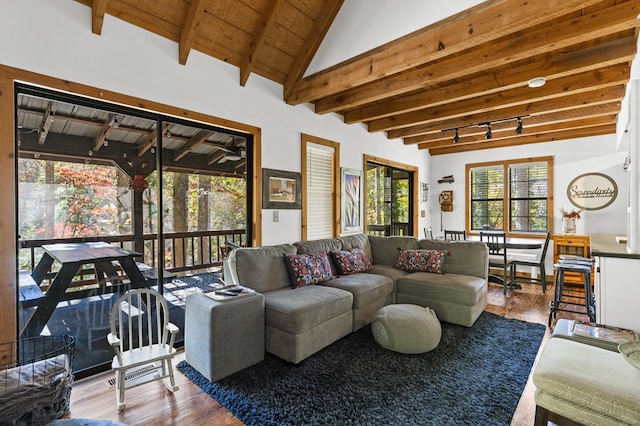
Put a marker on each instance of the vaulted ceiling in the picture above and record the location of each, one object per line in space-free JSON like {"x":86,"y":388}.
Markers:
{"x":456,"y":76}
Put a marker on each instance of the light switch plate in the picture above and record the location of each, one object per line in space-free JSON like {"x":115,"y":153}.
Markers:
{"x":276,"y":216}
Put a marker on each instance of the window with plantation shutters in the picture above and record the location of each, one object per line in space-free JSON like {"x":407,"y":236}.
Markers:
{"x":513,"y":196}
{"x":487,"y":198}
{"x":528,"y":192}
{"x":319,"y":188}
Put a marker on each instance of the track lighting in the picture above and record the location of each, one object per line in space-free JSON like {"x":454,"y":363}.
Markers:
{"x":519,"y":128}
{"x":489,"y":132}
{"x":488,"y":135}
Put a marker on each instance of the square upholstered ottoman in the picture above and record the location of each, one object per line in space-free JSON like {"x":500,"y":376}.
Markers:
{"x":586,"y":384}
{"x":222,"y":337}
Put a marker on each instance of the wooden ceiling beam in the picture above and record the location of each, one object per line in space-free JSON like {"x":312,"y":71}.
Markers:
{"x":550,"y":65}
{"x":567,"y":103}
{"x":189,"y":29}
{"x":311,"y":45}
{"x":267,"y":20}
{"x":537,"y":138}
{"x":103,"y":133}
{"x":532,"y":121}
{"x":488,"y":21}
{"x":575,"y":84}
{"x":490,"y":55}
{"x":98,"y":10}
{"x":152,"y":139}
{"x":45,"y":125}
{"x":193,"y":141}
{"x":215,"y":157}
{"x":477,"y":134}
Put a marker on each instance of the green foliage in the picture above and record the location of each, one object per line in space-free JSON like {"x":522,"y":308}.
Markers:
{"x":78,"y":200}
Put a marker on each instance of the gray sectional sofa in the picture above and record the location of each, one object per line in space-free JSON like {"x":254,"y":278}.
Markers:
{"x":302,"y":320}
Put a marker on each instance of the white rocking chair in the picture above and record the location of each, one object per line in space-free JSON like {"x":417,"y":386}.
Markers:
{"x":140,"y":330}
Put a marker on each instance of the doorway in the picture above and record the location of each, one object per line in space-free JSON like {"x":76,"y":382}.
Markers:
{"x":88,"y":173}
{"x":391,"y":198}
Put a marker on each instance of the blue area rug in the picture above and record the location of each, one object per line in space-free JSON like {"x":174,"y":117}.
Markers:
{"x":474,"y":377}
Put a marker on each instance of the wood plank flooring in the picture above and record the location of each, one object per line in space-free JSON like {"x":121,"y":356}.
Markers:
{"x":152,"y":404}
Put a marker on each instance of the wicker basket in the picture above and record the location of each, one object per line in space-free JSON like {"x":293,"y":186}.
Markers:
{"x":36,"y":379}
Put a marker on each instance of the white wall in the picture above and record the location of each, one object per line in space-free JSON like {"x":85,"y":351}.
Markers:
{"x":571,"y":158}
{"x":54,"y":37}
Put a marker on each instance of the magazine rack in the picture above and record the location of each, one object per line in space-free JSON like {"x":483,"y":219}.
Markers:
{"x":36,"y":379}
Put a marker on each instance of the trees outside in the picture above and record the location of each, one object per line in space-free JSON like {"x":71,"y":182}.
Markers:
{"x":64,"y":200}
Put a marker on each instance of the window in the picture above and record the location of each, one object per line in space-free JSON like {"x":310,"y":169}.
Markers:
{"x":514,"y":195}
{"x":320,"y":162}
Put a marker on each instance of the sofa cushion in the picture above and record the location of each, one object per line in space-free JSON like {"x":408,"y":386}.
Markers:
{"x":318,"y":246}
{"x":458,"y":289}
{"x":261,"y":268}
{"x":357,"y":240}
{"x":351,"y":261}
{"x":466,"y":257}
{"x":307,"y":269}
{"x":388,"y":271}
{"x":385,"y":249}
{"x":298,"y":310}
{"x":422,"y":260}
{"x":366,"y":288}
{"x":326,"y":245}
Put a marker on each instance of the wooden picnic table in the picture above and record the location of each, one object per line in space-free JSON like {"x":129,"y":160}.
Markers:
{"x":73,"y":256}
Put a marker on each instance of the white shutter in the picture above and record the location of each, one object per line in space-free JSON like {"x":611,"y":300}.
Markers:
{"x":320,"y":191}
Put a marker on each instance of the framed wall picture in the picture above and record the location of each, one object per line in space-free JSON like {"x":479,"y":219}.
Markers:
{"x":281,"y":189}
{"x":351,"y":201}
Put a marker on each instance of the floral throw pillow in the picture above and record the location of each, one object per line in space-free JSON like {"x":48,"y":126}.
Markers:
{"x":352,"y":261}
{"x":421,"y":260}
{"x":306,"y":269}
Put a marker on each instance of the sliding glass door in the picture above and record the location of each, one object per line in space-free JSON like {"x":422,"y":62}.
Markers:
{"x":88,"y":182}
{"x":390,"y":200}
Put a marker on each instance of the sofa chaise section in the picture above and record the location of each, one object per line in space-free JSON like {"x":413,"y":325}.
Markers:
{"x":460,"y":294}
{"x":298,"y":321}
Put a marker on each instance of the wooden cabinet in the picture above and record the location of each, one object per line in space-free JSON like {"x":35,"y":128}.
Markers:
{"x":575,"y":245}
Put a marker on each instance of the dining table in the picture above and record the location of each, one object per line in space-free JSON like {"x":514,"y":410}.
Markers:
{"x":515,"y":244}
{"x":107,"y":260}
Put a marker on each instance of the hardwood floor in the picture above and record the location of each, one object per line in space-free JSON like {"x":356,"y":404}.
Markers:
{"x":151,"y":404}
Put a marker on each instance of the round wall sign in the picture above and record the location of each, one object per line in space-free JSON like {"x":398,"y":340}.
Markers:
{"x":592,"y":191}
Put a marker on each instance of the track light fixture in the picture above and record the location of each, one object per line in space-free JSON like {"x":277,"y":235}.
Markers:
{"x":519,"y":128}
{"x":489,"y":132}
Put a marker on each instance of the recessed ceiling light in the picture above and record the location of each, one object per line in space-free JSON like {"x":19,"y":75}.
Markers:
{"x":537,"y":82}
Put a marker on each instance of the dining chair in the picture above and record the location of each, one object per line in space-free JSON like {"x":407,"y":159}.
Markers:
{"x":140,"y":330}
{"x":539,"y":263}
{"x":455,"y":235}
{"x":498,"y":257}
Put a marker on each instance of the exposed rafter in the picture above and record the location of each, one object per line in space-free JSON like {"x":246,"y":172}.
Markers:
{"x":265,"y":23}
{"x":189,"y":28}
{"x":469,"y":68}
{"x":47,"y":119}
{"x":486,"y":22}
{"x":194,"y":141}
{"x":103,"y":134}
{"x":98,"y":10}
{"x":311,"y":44}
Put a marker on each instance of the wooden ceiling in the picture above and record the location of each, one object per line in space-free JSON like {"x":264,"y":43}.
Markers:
{"x":460,"y":73}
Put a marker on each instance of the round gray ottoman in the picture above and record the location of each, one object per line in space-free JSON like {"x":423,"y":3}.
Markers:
{"x":408,"y":329}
